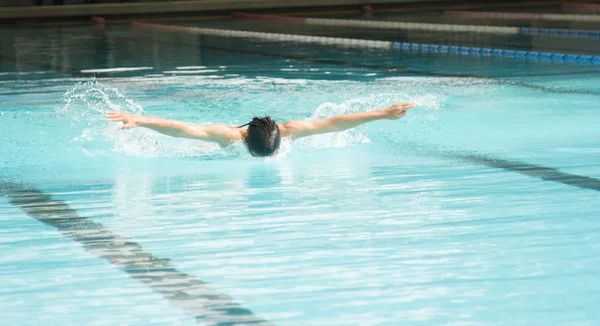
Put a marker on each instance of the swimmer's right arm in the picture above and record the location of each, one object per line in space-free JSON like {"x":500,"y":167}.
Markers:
{"x":217,"y":133}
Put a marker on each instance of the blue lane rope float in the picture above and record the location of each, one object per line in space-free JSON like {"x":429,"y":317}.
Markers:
{"x":569,"y":33}
{"x":395,"y":46}
{"x":489,"y":52}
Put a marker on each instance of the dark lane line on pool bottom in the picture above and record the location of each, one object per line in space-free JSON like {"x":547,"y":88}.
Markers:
{"x":531,"y":170}
{"x":182,"y":290}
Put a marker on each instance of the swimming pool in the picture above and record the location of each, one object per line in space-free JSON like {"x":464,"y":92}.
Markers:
{"x":479,"y":207}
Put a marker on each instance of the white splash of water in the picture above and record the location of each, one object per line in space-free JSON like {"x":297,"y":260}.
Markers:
{"x":90,"y":99}
{"x":337,"y":139}
{"x":425,"y":102}
{"x":85,"y":106}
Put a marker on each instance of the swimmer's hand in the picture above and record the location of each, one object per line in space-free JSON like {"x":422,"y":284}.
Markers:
{"x":397,"y":111}
{"x":129,"y":120}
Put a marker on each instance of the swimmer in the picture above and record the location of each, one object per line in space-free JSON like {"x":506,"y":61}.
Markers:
{"x":261,"y":136}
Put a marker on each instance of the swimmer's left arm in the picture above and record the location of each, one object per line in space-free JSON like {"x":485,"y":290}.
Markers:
{"x":303,"y":128}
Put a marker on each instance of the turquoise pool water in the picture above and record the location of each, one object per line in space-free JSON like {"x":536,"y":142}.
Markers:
{"x":479,"y":207}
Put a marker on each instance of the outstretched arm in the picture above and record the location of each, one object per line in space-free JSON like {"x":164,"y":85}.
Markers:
{"x":217,"y":133}
{"x":303,"y":128}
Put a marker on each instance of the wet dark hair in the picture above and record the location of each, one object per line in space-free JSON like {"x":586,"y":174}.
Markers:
{"x":263,"y":137}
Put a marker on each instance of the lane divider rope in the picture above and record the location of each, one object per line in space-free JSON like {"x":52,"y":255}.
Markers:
{"x":396,"y":46}
{"x":270,"y":36}
{"x":382,"y":24}
{"x":508,"y":30}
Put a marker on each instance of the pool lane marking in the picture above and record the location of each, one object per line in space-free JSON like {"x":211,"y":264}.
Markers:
{"x":522,"y":16}
{"x":530,"y":170}
{"x":452,"y":28}
{"x":394,"y":46}
{"x":182,"y":290}
{"x":380,"y":24}
{"x":373,"y":44}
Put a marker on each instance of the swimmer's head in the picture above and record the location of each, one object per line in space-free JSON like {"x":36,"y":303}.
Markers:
{"x":263,"y":137}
